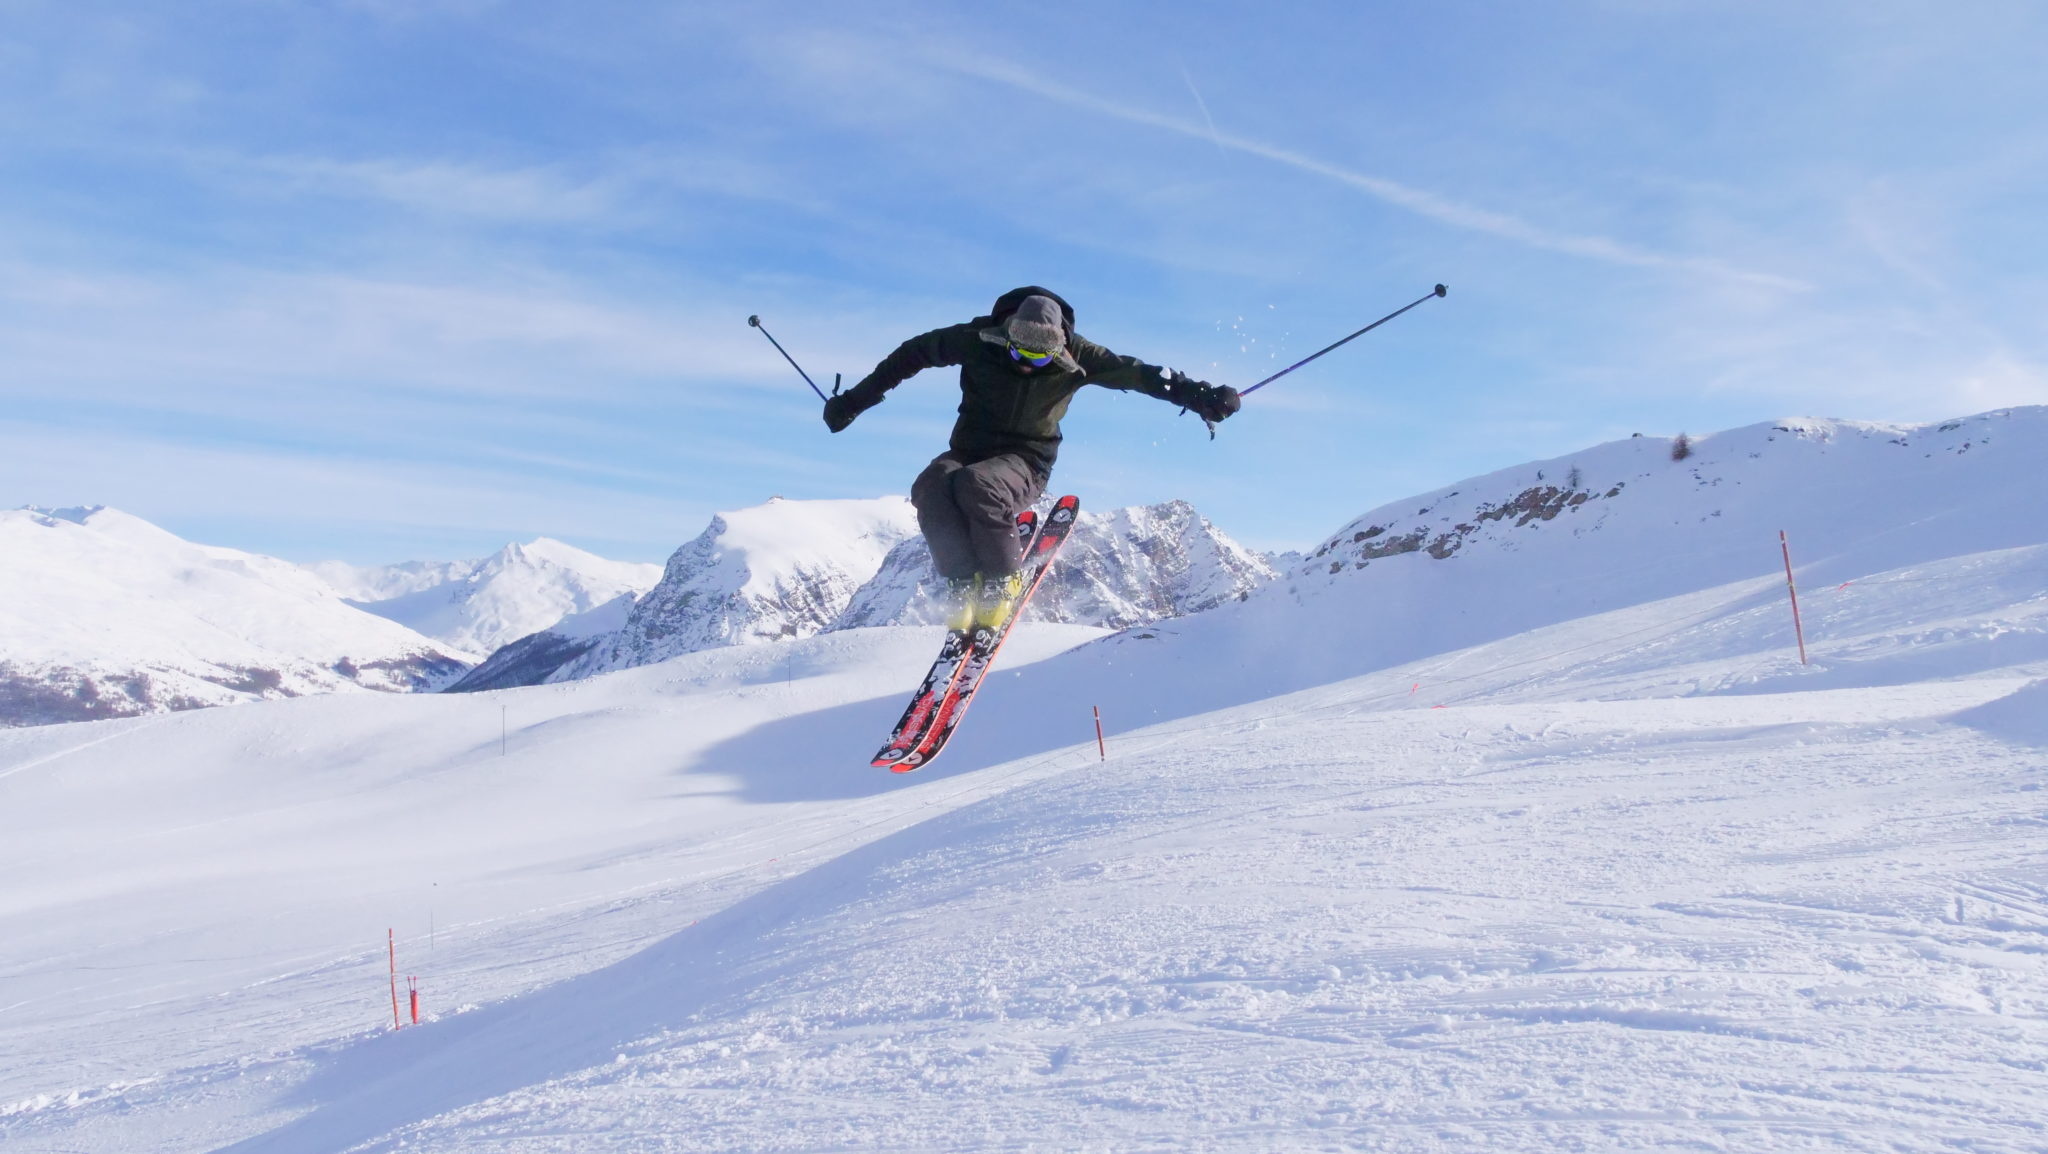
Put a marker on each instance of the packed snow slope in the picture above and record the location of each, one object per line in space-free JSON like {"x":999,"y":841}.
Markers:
{"x":477,"y":606}
{"x":1619,"y":524}
{"x":103,"y":614}
{"x":1644,"y":881}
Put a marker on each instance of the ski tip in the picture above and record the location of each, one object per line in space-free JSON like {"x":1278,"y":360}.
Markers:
{"x":898,"y":760}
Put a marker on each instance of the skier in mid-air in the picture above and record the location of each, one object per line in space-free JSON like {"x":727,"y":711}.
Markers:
{"x":1020,"y":367}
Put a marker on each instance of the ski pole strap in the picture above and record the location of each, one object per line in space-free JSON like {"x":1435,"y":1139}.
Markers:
{"x":1184,"y":410}
{"x":1438,"y":291}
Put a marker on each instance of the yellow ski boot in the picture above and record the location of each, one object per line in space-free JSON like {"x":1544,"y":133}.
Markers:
{"x":997,"y":599}
{"x":960,"y":598}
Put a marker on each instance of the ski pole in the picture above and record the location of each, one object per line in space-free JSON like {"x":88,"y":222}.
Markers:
{"x":755,"y":321}
{"x":1438,"y":291}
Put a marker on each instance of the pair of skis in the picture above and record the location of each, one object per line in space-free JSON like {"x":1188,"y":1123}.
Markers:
{"x":964,"y":658}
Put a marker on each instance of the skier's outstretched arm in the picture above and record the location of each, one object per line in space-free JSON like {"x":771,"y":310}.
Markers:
{"x":1110,"y":370}
{"x":939,"y":347}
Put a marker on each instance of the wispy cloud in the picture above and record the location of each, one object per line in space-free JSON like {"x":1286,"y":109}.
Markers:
{"x":175,"y":483}
{"x":528,"y":194}
{"x":1202,"y":104}
{"x":612,"y":189}
{"x":1419,"y":201}
{"x":228,"y":325}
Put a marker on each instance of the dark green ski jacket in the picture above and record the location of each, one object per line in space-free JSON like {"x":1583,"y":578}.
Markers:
{"x":1004,"y":410}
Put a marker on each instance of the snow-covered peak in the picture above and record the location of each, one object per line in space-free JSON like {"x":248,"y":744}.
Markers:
{"x":111,"y":523}
{"x":478,"y":606}
{"x":771,"y":543}
{"x":776,"y":570}
{"x":546,"y":551}
{"x":104,"y":614}
{"x":1143,"y":563}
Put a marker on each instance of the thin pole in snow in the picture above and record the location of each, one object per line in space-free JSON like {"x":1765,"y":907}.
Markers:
{"x":1798,"y":630}
{"x":391,"y":944}
{"x":1101,"y":750}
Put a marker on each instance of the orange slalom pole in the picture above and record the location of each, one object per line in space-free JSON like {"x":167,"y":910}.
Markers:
{"x":391,"y":944}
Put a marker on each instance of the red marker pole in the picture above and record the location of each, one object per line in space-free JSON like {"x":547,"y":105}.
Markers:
{"x":1798,"y":630}
{"x":1101,"y":750}
{"x":412,"y":989}
{"x":391,"y":944}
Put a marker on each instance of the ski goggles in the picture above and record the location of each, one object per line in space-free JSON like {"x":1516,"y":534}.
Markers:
{"x":1026,"y":356}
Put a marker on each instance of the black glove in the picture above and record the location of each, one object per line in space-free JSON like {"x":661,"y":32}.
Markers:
{"x":1210,"y":402}
{"x":1215,"y":402}
{"x":842,"y":408}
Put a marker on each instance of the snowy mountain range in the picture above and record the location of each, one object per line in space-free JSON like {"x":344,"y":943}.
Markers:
{"x":541,"y":610}
{"x":478,"y":606}
{"x":1125,"y":567}
{"x":792,"y":569}
{"x":103,"y":614}
{"x":1508,"y":817}
{"x":775,"y":571}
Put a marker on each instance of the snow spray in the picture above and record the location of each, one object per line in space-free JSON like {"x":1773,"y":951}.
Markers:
{"x":1438,"y":291}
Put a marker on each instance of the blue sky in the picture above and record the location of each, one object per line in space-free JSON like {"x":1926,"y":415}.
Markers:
{"x":386,"y":280}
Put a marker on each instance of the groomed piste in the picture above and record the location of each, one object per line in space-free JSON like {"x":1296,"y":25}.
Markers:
{"x":1504,"y":821}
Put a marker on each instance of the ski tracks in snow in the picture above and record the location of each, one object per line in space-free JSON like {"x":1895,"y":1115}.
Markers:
{"x":1754,"y":923}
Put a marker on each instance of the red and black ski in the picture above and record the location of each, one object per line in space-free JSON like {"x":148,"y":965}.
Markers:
{"x":986,"y":641}
{"x":917,"y":717}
